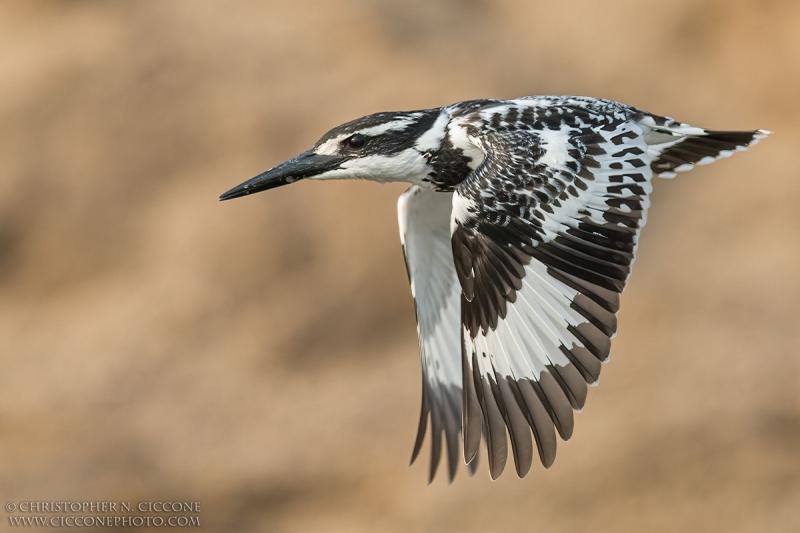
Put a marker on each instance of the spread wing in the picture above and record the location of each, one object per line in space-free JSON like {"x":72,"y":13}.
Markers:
{"x":424,"y":217}
{"x":544,"y":233}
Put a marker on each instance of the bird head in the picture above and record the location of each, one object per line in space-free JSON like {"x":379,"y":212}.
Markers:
{"x":383,"y":147}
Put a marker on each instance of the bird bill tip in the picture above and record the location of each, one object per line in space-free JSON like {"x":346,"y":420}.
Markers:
{"x":233,"y":193}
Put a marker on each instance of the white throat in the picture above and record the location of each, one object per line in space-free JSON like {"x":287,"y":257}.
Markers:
{"x":408,"y":166}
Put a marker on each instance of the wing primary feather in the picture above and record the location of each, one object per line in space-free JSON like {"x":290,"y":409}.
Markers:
{"x":577,"y":257}
{"x":451,"y":433}
{"x":472,"y":467}
{"x":518,"y":427}
{"x":615,"y":256}
{"x":540,"y":422}
{"x":593,"y":339}
{"x":606,"y":298}
{"x":549,"y":255}
{"x":496,"y":428}
{"x":423,"y":422}
{"x":587,"y":364}
{"x":471,"y":409}
{"x":436,"y":444}
{"x":556,"y":403}
{"x":601,"y":318}
{"x":598,"y":239}
{"x":571,"y":382}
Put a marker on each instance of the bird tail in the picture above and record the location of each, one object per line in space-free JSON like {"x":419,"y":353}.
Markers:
{"x":676,"y":147}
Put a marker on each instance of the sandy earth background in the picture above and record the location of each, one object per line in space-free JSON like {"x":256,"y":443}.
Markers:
{"x":259,"y":356}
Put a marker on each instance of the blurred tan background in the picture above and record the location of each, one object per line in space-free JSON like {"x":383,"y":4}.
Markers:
{"x":260,"y":355}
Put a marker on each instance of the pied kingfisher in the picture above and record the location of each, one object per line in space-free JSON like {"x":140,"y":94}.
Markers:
{"x":519,"y":231}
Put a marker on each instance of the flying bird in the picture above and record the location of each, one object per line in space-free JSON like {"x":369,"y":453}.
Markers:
{"x":519,"y":231}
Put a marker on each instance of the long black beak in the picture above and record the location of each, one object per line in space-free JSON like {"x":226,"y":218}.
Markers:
{"x":302,"y":166}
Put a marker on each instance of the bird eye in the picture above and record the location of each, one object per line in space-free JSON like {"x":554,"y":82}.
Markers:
{"x":356,"y":141}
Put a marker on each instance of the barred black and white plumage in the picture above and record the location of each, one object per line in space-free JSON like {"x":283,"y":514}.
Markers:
{"x":519,"y":232}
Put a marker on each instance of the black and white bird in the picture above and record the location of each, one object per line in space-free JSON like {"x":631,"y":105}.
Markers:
{"x":519,"y":231}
